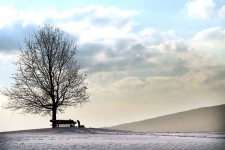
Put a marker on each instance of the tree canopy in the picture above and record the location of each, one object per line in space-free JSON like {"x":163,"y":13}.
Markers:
{"x":48,"y":79}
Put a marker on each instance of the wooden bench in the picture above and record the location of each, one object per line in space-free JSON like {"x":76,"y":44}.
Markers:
{"x":70,"y":122}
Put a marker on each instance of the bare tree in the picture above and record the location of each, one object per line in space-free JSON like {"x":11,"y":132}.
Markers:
{"x":48,"y":79}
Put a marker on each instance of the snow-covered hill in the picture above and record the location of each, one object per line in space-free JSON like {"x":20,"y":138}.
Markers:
{"x":197,"y":120}
{"x":98,"y":139}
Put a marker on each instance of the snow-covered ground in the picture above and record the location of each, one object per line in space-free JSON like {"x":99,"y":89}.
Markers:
{"x":92,"y":138}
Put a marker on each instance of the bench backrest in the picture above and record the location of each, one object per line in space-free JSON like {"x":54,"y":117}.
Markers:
{"x":62,"y":121}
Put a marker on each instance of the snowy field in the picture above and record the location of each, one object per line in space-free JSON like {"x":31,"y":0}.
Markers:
{"x":91,"y":138}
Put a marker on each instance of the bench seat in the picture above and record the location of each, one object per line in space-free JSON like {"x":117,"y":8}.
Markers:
{"x":57,"y":122}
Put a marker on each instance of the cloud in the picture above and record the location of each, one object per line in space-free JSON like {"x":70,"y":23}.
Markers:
{"x":139,"y":60}
{"x":211,"y":34}
{"x":8,"y":57}
{"x":221,"y":12}
{"x":107,"y":44}
{"x":11,"y":15}
{"x":152,"y":36}
{"x":86,"y":25}
{"x":96,"y":23}
{"x":174,"y":45}
{"x":210,"y":41}
{"x":190,"y":88}
{"x":171,"y":72}
{"x":202,"y":9}
{"x":12,"y":36}
{"x":32,"y":16}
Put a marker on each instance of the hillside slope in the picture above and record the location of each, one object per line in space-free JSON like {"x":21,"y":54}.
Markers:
{"x":196,"y":120}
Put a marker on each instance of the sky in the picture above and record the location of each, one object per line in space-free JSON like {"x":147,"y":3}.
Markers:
{"x":144,"y":58}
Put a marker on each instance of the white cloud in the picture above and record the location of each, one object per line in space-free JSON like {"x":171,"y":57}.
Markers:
{"x":210,"y":41}
{"x":10,"y":17}
{"x":221,"y":12}
{"x":174,"y":45}
{"x":31,"y":16}
{"x":170,"y":72}
{"x":117,"y":49}
{"x":92,"y":23}
{"x":151,"y":36}
{"x":8,"y":57}
{"x":211,"y":34}
{"x":201,"y":8}
{"x":96,"y":23}
{"x":169,"y":35}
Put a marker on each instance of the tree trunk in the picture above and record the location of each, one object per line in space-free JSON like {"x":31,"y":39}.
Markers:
{"x":53,"y":117}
